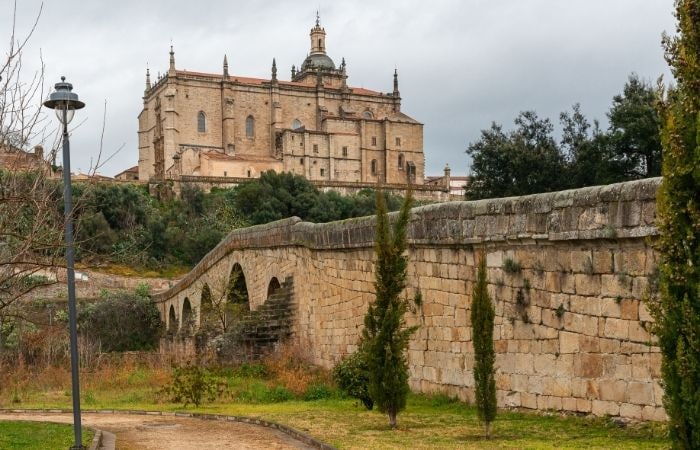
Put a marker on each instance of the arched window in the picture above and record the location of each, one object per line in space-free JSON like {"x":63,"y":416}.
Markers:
{"x":400,"y":162}
{"x":250,"y":127}
{"x":374,"y":167}
{"x":296,"y":124}
{"x":367,"y":115}
{"x":201,"y":122}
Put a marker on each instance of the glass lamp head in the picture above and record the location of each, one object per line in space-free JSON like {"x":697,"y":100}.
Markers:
{"x":64,"y":101}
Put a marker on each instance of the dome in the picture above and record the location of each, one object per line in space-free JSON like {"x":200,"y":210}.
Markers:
{"x":318,"y":60}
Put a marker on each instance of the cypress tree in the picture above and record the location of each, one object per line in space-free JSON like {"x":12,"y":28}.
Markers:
{"x":385,"y":334}
{"x":677,"y":310}
{"x":482,"y":317}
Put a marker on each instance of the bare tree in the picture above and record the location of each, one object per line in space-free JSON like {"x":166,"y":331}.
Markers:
{"x":224,"y":305}
{"x":30,"y":222}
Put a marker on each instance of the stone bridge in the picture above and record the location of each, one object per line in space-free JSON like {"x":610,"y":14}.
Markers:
{"x":567,"y":271}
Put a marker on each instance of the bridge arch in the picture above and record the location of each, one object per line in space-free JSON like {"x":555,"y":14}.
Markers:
{"x":187,"y":318}
{"x":172,"y":325}
{"x":237,"y":288}
{"x":273,"y":286}
{"x":205,"y":302}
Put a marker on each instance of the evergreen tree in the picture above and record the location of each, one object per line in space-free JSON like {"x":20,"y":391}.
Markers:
{"x":523,"y":161}
{"x":677,"y":311}
{"x":634,"y":130}
{"x":588,"y":150}
{"x":385,"y":334}
{"x":482,"y":317}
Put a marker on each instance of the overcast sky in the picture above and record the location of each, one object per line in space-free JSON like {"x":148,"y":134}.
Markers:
{"x":462,"y":64}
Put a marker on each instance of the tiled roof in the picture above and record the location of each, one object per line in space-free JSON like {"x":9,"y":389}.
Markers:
{"x":363,"y":91}
{"x":134,"y":169}
{"x":259,"y":81}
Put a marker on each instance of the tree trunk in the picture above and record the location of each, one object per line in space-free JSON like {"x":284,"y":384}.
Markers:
{"x":392,"y":419}
{"x":487,"y":430}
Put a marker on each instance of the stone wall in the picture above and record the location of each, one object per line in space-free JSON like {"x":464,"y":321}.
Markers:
{"x":424,"y":192}
{"x":567,"y":272}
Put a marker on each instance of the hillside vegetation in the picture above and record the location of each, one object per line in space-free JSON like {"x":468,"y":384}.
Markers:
{"x":123,"y":224}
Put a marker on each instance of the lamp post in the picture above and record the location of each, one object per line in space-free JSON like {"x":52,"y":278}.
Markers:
{"x":65,"y":102}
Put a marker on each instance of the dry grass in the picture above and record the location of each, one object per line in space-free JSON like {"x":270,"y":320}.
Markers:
{"x":290,"y":368}
{"x":139,"y":375}
{"x":122,"y":270}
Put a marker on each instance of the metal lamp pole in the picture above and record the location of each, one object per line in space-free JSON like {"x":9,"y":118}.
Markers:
{"x":65,"y":102}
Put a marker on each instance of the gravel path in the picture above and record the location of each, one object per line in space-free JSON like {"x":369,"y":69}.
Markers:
{"x":146,"y":432}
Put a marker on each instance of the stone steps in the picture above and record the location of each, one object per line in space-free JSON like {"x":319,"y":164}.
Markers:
{"x":257,"y":332}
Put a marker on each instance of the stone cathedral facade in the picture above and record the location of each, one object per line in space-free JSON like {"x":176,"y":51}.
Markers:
{"x":315,"y":124}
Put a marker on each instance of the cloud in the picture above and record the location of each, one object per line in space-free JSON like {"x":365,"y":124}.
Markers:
{"x":462,"y":64}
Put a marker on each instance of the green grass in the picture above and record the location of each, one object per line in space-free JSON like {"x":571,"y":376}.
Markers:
{"x":39,"y":436}
{"x":428,"y":421}
{"x":426,"y":424}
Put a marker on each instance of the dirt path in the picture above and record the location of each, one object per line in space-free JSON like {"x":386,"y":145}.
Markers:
{"x":146,"y":432}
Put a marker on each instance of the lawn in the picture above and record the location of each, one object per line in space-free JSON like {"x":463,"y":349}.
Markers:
{"x":39,"y":436}
{"x":428,"y":422}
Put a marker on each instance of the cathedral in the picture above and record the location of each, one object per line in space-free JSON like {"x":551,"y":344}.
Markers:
{"x":315,"y":125}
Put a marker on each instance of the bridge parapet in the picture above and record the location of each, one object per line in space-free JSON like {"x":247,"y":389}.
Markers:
{"x":623,"y":210}
{"x":616,"y":211}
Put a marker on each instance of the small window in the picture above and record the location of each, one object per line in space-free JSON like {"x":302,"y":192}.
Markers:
{"x":225,"y":173}
{"x":374,"y":140}
{"x":345,"y":151}
{"x":296,"y":124}
{"x":250,"y":126}
{"x":319,"y":44}
{"x":374,"y":167}
{"x":301,"y":161}
{"x":315,"y":148}
{"x":398,"y":141}
{"x":400,"y":162}
{"x":367,"y":115}
{"x":322,"y":171}
{"x":248,"y":173}
{"x":201,"y":122}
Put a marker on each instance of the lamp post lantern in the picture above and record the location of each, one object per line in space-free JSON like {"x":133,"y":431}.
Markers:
{"x":65,"y":102}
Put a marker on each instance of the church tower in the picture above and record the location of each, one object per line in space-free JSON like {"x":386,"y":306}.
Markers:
{"x":318,"y":69}
{"x":318,"y":38}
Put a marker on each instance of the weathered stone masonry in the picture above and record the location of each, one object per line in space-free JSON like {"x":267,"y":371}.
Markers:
{"x":567,"y":270}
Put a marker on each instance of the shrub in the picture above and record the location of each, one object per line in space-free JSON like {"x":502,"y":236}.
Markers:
{"x":512,"y":266}
{"x":192,"y":385}
{"x":352,"y":377}
{"x":122,"y":321}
